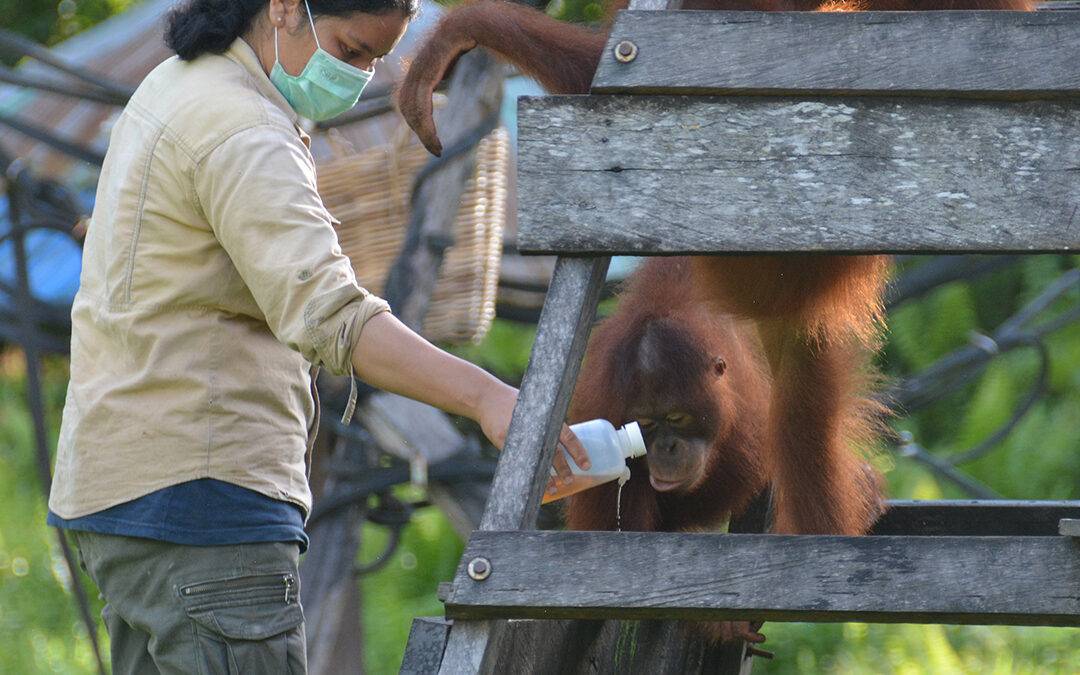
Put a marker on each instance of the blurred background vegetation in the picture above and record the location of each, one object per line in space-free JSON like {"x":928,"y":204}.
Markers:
{"x":1040,"y":459}
{"x":50,"y":21}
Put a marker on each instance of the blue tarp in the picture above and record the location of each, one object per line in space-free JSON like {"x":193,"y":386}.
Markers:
{"x":55,"y":262}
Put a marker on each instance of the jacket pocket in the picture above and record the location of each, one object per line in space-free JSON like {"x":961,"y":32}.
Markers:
{"x":247,"y":624}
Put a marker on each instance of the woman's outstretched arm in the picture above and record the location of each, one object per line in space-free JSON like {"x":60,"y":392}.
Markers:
{"x":390,"y":356}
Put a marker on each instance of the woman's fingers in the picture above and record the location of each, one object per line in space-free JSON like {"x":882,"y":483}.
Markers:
{"x":562,"y":468}
{"x":575,"y":448}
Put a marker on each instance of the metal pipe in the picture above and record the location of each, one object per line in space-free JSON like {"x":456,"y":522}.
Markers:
{"x":19,"y":46}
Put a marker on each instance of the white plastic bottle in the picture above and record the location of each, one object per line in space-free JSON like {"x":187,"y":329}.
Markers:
{"x":608,"y":449}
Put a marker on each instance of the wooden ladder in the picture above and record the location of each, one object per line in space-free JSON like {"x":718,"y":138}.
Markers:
{"x":733,"y":132}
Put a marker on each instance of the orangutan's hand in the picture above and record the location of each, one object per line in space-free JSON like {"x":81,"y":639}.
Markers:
{"x":435,"y":58}
{"x":729,"y":631}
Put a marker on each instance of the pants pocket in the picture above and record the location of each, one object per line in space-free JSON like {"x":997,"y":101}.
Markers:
{"x":247,"y":624}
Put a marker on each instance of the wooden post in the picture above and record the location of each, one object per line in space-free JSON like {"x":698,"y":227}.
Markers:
{"x":329,"y":591}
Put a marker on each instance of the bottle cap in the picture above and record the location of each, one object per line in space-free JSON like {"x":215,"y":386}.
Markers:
{"x":633,"y":441}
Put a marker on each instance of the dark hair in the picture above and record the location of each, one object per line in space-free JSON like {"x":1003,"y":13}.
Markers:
{"x":201,"y":26}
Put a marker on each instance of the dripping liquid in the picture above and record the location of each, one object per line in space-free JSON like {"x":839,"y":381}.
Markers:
{"x":618,"y":508}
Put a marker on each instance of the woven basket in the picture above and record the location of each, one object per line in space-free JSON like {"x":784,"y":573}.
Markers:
{"x":369,"y":193}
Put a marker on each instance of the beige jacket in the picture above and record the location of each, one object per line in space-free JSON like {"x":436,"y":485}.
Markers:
{"x":212,"y":278}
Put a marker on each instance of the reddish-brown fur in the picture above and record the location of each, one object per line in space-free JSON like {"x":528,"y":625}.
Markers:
{"x":657,"y":300}
{"x":740,"y":407}
{"x":815,"y":316}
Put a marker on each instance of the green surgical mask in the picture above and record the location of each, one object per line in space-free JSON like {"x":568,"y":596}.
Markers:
{"x":326,"y":88}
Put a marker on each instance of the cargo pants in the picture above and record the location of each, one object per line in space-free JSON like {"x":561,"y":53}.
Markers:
{"x":202,"y":610}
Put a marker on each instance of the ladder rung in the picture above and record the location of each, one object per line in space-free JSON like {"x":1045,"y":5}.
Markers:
{"x":881,"y":579}
{"x":975,"y":517}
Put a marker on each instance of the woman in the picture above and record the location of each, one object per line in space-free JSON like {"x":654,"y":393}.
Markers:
{"x":212,"y":286}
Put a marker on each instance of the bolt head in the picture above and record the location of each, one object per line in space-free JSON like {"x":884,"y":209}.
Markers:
{"x":479,"y":569}
{"x":625,"y":51}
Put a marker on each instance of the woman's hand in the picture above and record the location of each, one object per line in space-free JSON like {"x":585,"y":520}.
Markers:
{"x":569,"y":442}
{"x":494,"y":413}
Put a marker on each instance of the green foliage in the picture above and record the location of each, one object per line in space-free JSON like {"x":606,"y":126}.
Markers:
{"x":50,"y":21}
{"x":591,"y":11}
{"x":504,"y":351}
{"x":405,"y":588}
{"x":38,"y":616}
{"x":1039,"y":459}
{"x":913,"y":649}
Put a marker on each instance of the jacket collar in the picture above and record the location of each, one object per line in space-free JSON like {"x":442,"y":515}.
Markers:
{"x":241,"y":52}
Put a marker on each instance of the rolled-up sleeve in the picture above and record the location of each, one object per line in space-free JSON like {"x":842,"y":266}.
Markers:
{"x":258,"y":192}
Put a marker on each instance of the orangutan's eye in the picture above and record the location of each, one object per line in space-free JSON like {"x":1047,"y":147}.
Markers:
{"x":678,"y":420}
{"x":646,"y":424}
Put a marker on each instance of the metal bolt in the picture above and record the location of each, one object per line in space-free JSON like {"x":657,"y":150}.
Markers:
{"x":625,"y":51}
{"x":479,"y":569}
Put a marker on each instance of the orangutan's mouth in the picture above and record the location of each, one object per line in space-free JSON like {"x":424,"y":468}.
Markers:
{"x":665,"y":485}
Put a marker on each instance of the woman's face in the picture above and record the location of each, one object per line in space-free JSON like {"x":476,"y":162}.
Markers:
{"x":358,"y":39}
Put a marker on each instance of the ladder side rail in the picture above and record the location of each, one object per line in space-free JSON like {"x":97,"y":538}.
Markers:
{"x":522,"y":473}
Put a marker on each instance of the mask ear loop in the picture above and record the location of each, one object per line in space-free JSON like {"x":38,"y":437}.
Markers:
{"x":311,"y":20}
{"x":307,"y":8}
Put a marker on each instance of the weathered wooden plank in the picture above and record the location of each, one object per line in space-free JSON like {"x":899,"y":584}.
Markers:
{"x":549,"y":380}
{"x":983,"y":580}
{"x":986,"y":54}
{"x":424,"y":650}
{"x":593,"y":647}
{"x":470,"y":642}
{"x":647,"y":5}
{"x":983,"y":518}
{"x":1069,"y":527}
{"x":530,"y":445}
{"x":658,"y":174}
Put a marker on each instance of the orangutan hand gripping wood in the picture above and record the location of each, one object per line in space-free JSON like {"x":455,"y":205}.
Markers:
{"x":788,"y":405}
